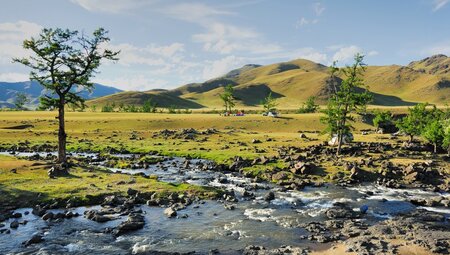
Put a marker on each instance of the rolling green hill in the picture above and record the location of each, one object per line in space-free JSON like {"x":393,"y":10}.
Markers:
{"x":292,"y":82}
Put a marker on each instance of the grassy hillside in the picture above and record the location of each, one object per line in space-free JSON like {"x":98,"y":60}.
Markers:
{"x":161,"y":98}
{"x":292,"y":82}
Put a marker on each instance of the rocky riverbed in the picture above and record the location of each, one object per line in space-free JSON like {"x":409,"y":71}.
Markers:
{"x":252,"y":217}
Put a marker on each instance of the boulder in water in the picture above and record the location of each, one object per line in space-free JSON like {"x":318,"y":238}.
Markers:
{"x":170,"y":212}
{"x":269,"y":196}
{"x":37,"y":238}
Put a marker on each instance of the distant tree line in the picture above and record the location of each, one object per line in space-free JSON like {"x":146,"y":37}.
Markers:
{"x":149,"y":106}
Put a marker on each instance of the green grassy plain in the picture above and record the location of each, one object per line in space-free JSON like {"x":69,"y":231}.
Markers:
{"x":139,"y":133}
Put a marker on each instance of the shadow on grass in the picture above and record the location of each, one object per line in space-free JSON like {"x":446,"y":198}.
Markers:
{"x":284,"y":118}
{"x":12,"y":198}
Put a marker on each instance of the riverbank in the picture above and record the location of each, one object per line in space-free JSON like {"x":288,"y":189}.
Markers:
{"x":262,"y":173}
{"x":25,"y":183}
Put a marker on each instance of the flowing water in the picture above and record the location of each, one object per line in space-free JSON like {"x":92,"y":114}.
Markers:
{"x":207,"y":225}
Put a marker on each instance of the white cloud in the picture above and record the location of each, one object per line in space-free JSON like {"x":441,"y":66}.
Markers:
{"x":134,"y":82}
{"x":214,"y":69}
{"x":438,"y":4}
{"x":312,"y":54}
{"x":226,"y":39}
{"x":440,"y":48}
{"x":304,"y":21}
{"x":18,"y":31}
{"x":112,"y":6}
{"x":219,"y":37}
{"x":319,"y":8}
{"x":346,"y":54}
{"x":12,"y":36}
{"x":14,"y":77}
{"x":152,"y":55}
{"x":372,"y":53}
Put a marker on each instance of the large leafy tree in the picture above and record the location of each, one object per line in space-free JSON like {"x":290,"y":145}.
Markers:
{"x":346,"y":100}
{"x":228,"y":98}
{"x":62,"y":59}
{"x":417,"y":119}
{"x":434,"y":132}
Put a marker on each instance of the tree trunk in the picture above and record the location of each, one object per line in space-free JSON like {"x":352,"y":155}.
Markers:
{"x":411,"y":138}
{"x":339,"y":137}
{"x":62,"y":159}
{"x":435,"y":148}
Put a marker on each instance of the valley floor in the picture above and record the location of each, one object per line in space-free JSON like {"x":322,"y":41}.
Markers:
{"x":258,"y":147}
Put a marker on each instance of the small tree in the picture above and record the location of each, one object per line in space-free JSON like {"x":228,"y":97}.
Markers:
{"x":228,"y":98}
{"x":434,"y":133}
{"x":346,"y":100}
{"x":382,"y":119}
{"x":121,"y":107}
{"x":269,"y":103}
{"x":63,"y":59}
{"x":309,"y":106}
{"x":20,"y":100}
{"x":107,"y":108}
{"x":93,"y":108}
{"x":418,"y":117}
{"x":149,"y":106}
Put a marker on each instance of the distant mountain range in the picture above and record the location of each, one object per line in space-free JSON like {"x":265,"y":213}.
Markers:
{"x":9,"y":90}
{"x":427,"y":80}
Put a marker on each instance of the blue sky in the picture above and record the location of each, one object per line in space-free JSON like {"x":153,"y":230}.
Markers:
{"x":167,"y":43}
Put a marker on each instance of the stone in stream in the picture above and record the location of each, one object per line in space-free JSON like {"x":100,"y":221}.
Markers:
{"x":48,"y":216}
{"x":14,"y":224}
{"x":97,"y":216}
{"x":37,"y":238}
{"x":134,"y":222}
{"x":269,"y":196}
{"x":38,"y":211}
{"x":170,"y":212}
{"x":16,"y":215}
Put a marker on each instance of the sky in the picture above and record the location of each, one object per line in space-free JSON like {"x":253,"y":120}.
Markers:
{"x":168,"y":43}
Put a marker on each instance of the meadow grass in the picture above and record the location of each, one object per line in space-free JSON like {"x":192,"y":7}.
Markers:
{"x":139,"y":133}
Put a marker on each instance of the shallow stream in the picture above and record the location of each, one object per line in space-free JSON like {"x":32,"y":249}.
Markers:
{"x":208,"y":224}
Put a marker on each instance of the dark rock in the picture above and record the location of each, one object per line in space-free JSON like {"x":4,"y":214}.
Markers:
{"x":134,"y":222}
{"x":131,"y":192}
{"x":38,"y":211}
{"x":16,"y":215}
{"x":48,"y":216}
{"x":37,"y":238}
{"x":269,"y":196}
{"x":14,"y":224}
